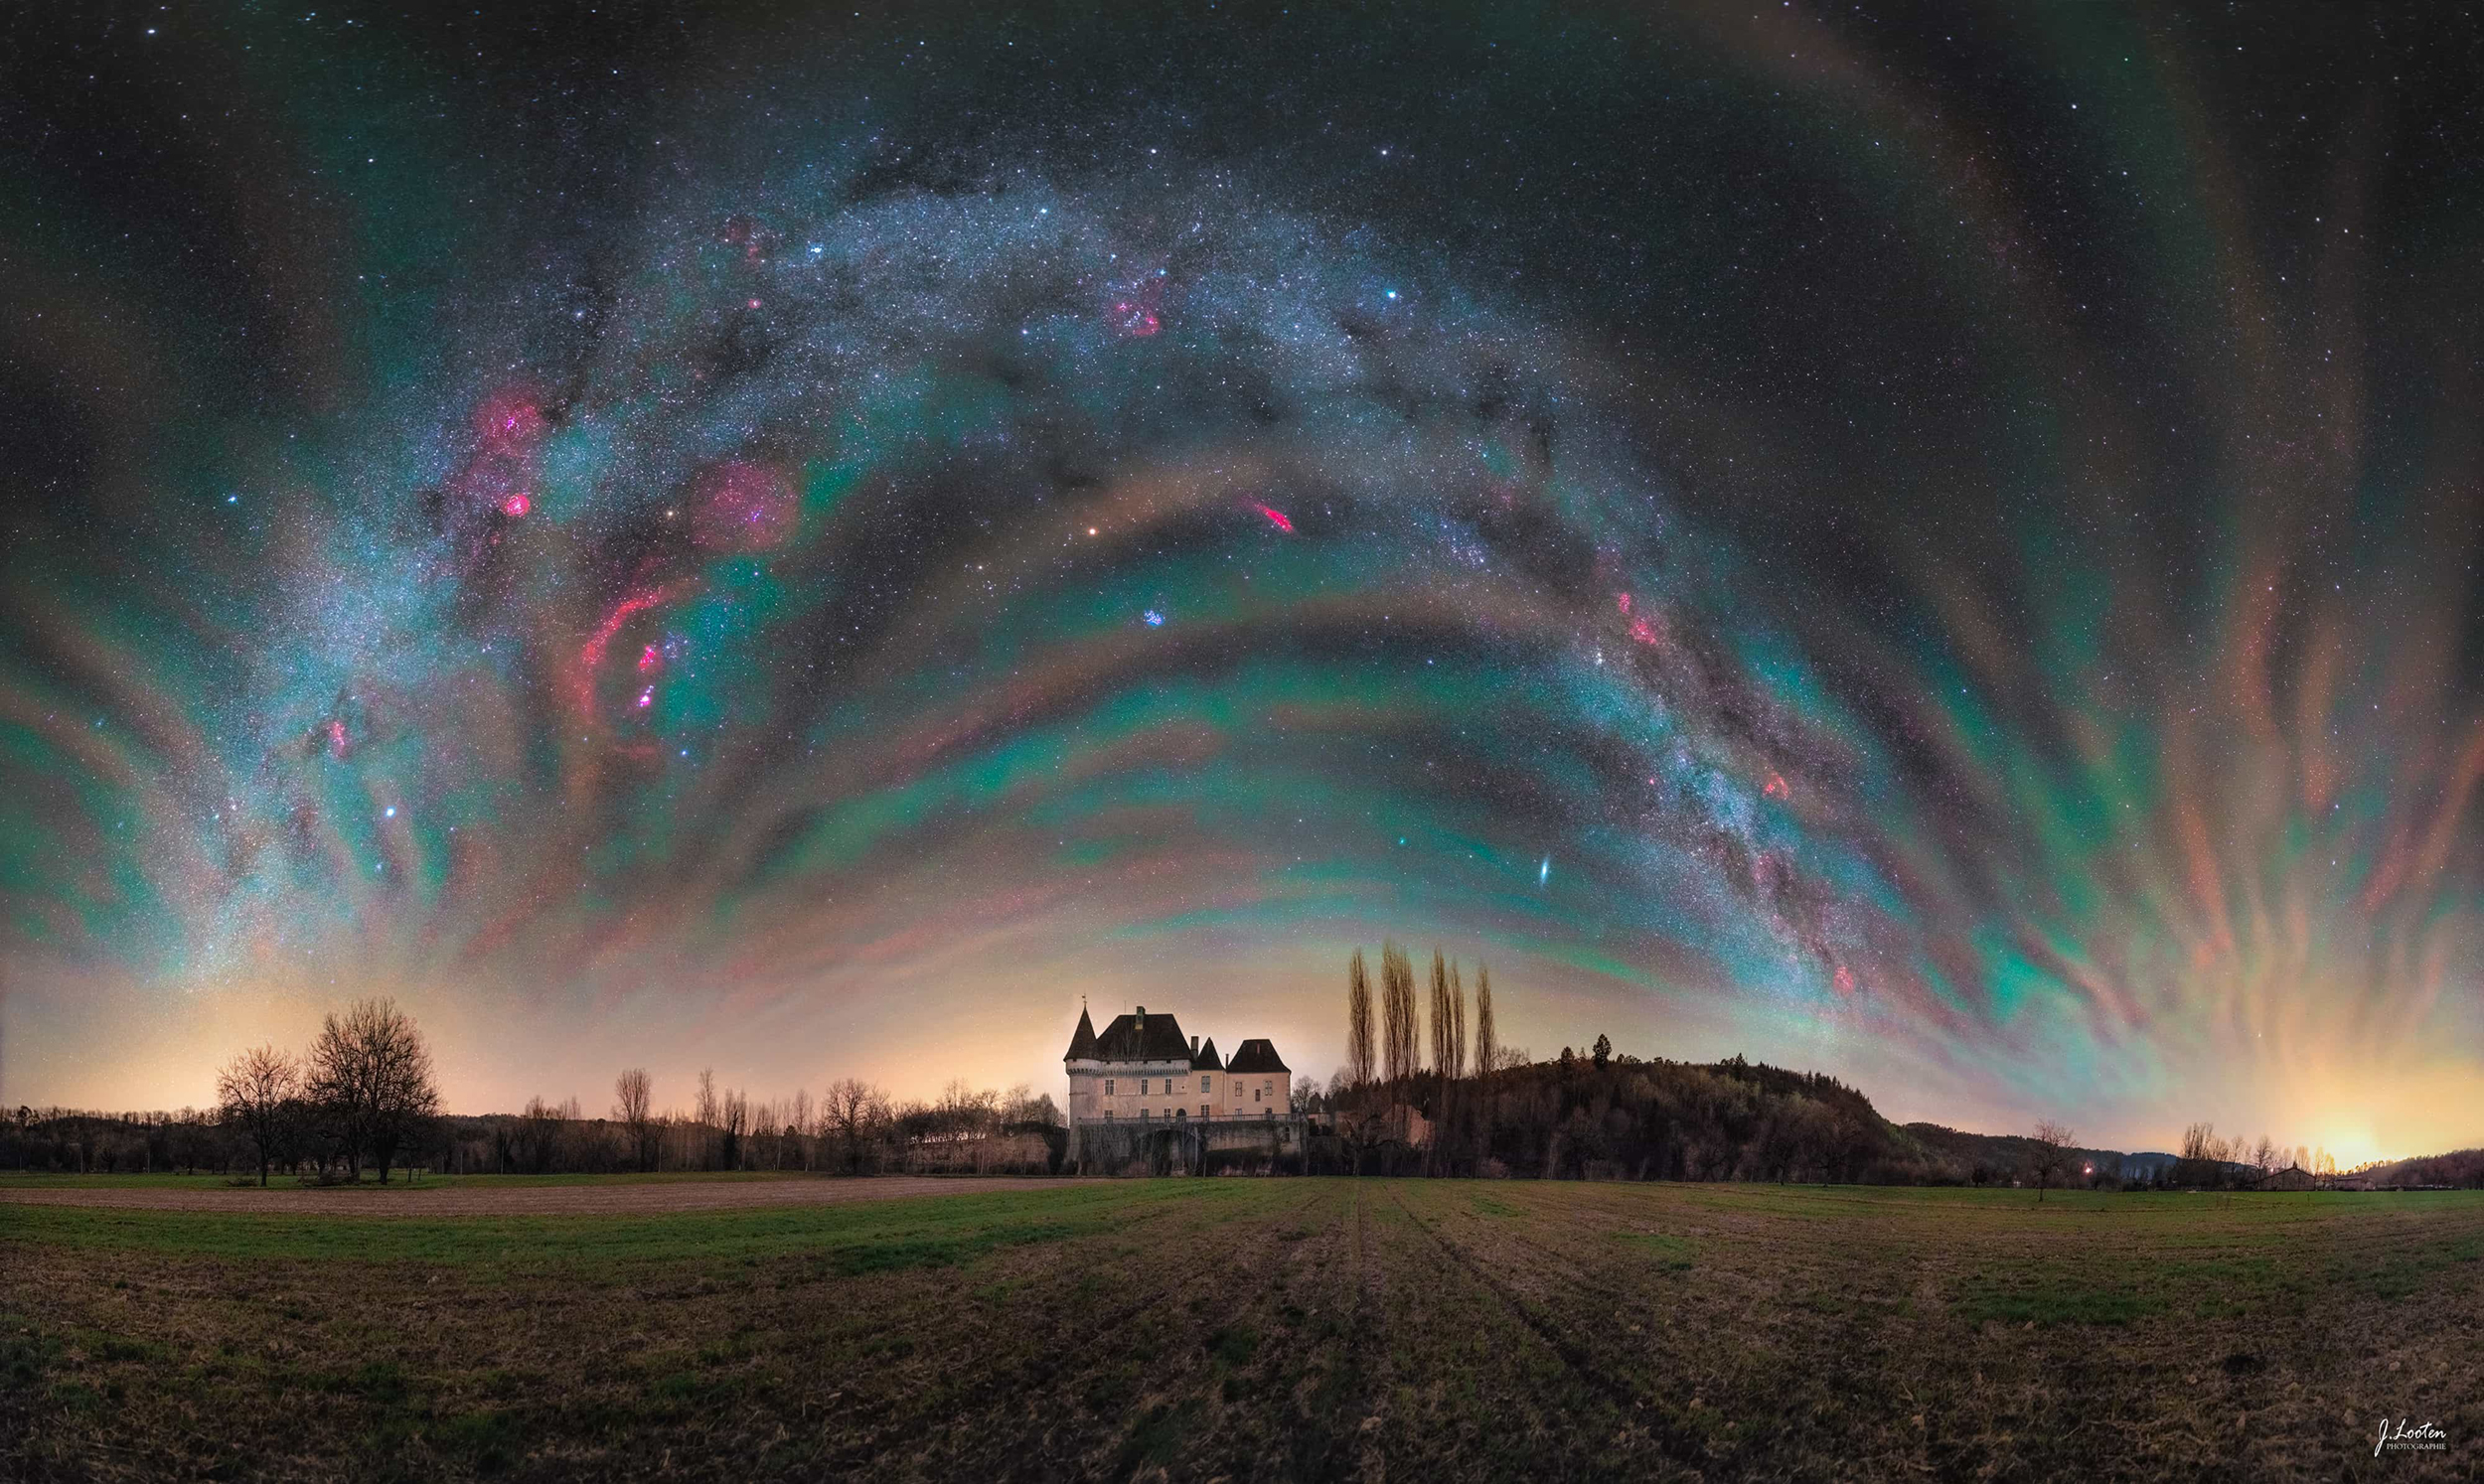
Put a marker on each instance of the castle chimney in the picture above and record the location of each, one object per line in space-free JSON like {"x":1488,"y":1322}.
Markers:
{"x":1194,"y":1048}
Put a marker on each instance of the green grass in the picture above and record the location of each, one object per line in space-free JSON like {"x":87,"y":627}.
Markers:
{"x":1252,"y":1329}
{"x":2051,"y":1300}
{"x":864,"y":1237}
{"x":397,"y":1180}
{"x":1669,"y":1252}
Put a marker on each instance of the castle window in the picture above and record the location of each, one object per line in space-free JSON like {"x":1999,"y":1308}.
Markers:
{"x":1108,"y":1087}
{"x":1108,"y":1116}
{"x":1143,"y":1116}
{"x":1202,"y":1083}
{"x":1254,"y":1094}
{"x":1202,"y":1109}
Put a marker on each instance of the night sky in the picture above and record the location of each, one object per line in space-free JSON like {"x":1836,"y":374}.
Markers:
{"x":1936,"y":547}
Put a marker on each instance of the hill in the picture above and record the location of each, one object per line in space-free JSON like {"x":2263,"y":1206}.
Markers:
{"x":2459,"y":1167}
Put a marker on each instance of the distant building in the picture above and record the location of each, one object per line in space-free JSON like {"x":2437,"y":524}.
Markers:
{"x":2292,"y":1177}
{"x":1140,"y":1070}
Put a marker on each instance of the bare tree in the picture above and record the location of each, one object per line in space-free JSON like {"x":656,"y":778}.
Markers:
{"x":1399,"y":1032}
{"x":1448,"y":1047}
{"x":546,"y":1136}
{"x":854,"y":1110}
{"x":736,"y":1110}
{"x":759,"y":1147}
{"x":2204,"y":1155}
{"x":256,"y":1090}
{"x":705,"y":1112}
{"x":1487,"y":1036}
{"x":633,"y":1108}
{"x":2048,"y":1154}
{"x":371,"y":1074}
{"x":798,"y":1120}
{"x":1358,"y":1057}
{"x":2264,"y":1156}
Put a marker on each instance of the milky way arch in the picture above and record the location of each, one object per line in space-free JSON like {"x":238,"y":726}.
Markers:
{"x":1971,"y":597}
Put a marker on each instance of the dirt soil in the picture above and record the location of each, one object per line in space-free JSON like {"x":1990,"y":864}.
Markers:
{"x":462,"y":1199}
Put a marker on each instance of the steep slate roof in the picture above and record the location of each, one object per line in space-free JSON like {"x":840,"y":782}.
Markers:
{"x":1256,"y":1056}
{"x":1143,"y":1038}
{"x":1081,"y":1045}
{"x":1206,"y":1059}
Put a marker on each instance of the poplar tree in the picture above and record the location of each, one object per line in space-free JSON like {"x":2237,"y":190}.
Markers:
{"x":1398,"y":1031}
{"x":1358,"y":1056}
{"x":1487,"y":1040}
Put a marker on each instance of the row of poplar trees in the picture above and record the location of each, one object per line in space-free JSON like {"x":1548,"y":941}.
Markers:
{"x":1387,"y":1069}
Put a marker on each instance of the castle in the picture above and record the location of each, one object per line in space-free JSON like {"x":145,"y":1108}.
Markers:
{"x":1141,"y":1071}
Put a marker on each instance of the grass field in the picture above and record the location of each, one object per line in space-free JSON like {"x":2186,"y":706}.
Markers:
{"x":397,"y":1180}
{"x":1258,"y":1329}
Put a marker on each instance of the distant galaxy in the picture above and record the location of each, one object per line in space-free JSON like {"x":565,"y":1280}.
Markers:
{"x":806,"y":542}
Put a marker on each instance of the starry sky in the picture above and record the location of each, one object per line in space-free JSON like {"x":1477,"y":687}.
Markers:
{"x":1936,"y":547}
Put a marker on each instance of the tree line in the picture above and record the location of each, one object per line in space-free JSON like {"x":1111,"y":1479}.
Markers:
{"x":364,"y":1094}
{"x":2209,"y":1158}
{"x":850,"y":1127}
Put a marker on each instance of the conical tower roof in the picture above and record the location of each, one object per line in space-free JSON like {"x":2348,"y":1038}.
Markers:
{"x":1081,"y":1045}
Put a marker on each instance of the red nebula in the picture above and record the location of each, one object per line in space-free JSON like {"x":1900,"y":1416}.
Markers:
{"x":1776,"y":787}
{"x":742,"y":506}
{"x":752,"y":238}
{"x":649,"y":660}
{"x":1275,"y":516}
{"x":1133,"y":314}
{"x":511,"y":421}
{"x":1843,"y":979}
{"x":1621,"y":601}
{"x":497,"y":478}
{"x":591,"y":652}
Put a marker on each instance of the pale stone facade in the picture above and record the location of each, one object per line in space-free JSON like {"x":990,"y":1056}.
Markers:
{"x":1142,"y":1069}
